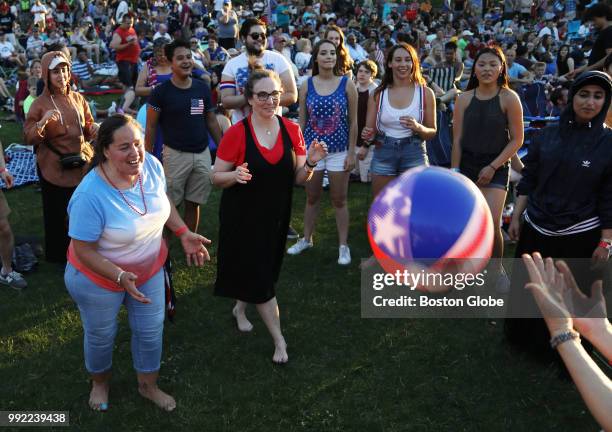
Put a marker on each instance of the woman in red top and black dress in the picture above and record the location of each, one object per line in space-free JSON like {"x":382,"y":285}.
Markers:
{"x":258,"y":162}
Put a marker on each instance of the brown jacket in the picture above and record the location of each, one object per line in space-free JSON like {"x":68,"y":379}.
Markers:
{"x":65,"y":135}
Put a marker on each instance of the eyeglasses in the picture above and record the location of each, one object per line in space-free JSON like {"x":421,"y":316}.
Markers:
{"x":257,"y":36}
{"x":264,"y":96}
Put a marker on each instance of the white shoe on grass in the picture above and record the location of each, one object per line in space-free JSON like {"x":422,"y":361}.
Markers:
{"x":301,"y":245}
{"x":344,"y":255}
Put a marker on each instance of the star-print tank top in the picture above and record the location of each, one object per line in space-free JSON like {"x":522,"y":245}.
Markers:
{"x":327,"y":117}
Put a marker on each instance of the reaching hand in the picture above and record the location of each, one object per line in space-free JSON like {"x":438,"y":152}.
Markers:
{"x":195,"y":249}
{"x":128,"y":283}
{"x":550,"y":292}
{"x":317,"y":151}
{"x":589,"y":313}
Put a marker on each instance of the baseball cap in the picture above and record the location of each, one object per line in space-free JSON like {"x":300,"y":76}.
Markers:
{"x":57,"y":60}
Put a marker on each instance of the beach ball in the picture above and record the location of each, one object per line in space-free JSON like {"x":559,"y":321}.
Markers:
{"x":431,"y":217}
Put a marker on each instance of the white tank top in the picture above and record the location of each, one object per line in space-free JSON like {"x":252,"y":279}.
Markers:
{"x":388,"y":117}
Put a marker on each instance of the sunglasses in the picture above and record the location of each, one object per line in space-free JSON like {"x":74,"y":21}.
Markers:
{"x":264,"y":96}
{"x":257,"y":36}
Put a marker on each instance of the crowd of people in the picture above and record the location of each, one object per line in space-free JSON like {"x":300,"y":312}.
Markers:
{"x":256,"y":97}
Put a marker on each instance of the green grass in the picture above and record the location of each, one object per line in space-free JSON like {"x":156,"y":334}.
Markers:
{"x":345,"y":373}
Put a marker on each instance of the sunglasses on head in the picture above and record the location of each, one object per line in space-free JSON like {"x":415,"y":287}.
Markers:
{"x":257,"y":36}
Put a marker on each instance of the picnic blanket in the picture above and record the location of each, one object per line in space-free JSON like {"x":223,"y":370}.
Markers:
{"x":21,"y":164}
{"x":100,"y":90}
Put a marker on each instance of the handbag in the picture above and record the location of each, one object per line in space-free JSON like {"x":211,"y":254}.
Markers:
{"x":73,"y":160}
{"x":68,"y":160}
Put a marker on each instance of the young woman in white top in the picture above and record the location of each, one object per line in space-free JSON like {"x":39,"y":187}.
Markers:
{"x":401,"y":117}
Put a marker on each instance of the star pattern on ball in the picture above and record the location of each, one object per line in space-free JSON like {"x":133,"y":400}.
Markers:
{"x":387,"y":231}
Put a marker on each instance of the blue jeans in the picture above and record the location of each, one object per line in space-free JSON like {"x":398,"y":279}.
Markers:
{"x":393,"y":156}
{"x":99,"y":308}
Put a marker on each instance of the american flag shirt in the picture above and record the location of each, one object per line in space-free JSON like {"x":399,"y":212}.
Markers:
{"x":183,"y":114}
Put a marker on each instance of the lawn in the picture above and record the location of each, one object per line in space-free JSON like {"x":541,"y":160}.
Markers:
{"x":345,"y":373}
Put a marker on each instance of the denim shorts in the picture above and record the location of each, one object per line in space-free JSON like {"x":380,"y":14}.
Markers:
{"x":472,"y":163}
{"x":393,"y":156}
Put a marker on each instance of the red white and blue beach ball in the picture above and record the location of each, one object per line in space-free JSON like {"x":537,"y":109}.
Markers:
{"x":430,"y":215}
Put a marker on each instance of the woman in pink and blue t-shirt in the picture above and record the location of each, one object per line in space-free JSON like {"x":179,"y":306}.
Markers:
{"x":116,"y":256}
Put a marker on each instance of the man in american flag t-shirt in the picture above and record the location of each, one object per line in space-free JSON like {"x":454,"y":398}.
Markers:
{"x":182,"y":107}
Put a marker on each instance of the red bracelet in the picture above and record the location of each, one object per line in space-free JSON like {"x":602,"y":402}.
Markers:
{"x":602,"y":244}
{"x":182,"y":230}
{"x":2,"y":169}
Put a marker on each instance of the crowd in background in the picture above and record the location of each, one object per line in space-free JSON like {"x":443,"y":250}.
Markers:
{"x":546,"y":42}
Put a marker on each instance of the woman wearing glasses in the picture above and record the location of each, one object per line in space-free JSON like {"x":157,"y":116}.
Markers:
{"x":258,"y":161}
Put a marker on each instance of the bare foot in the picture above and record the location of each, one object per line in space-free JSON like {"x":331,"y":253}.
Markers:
{"x":158,"y":397}
{"x":280,"y":353}
{"x":98,"y":397}
{"x":244,"y":325}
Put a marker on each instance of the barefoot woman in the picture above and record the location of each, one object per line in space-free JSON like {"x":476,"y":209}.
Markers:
{"x":117,"y":215}
{"x":258,"y":161}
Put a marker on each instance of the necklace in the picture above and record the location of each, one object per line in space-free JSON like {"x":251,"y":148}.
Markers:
{"x":123,"y":196}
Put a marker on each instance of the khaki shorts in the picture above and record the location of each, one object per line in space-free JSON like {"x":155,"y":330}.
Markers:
{"x":4,"y":208}
{"x":187,"y":175}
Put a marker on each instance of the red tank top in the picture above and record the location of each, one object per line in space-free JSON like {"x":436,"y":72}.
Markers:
{"x":132,"y":52}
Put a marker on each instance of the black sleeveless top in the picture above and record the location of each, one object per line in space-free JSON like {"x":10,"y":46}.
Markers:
{"x":485,"y":127}
{"x":253,"y":224}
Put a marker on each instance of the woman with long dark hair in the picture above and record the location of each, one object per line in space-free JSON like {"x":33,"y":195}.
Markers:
{"x":487,"y":133}
{"x":401,"y":117}
{"x":328,"y":113}
{"x":400,"y":127}
{"x":565,"y":63}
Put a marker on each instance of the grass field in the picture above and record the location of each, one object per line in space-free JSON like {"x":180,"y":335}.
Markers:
{"x":345,"y":373}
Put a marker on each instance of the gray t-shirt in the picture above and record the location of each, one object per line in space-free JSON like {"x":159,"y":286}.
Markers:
{"x":229,"y":30}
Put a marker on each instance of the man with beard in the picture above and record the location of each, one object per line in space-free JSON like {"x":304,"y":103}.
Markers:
{"x":182,"y":106}
{"x":236,"y":71}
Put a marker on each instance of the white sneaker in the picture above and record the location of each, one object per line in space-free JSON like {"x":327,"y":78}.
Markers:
{"x":301,"y":245}
{"x":112,"y":109}
{"x":13,"y":279}
{"x":344,"y":255}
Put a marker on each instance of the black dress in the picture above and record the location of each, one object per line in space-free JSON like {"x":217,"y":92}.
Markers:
{"x":253,"y":223}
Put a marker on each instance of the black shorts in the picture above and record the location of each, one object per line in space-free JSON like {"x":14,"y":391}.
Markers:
{"x":128,"y":73}
{"x":472,"y":163}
